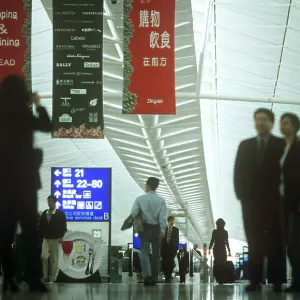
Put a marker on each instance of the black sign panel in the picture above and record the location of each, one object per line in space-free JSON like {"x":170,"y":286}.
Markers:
{"x":77,"y":69}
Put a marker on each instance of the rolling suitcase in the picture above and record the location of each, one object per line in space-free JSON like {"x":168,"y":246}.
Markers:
{"x":224,"y":273}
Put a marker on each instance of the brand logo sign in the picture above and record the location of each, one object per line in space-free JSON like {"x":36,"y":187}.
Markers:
{"x":78,"y":56}
{"x":91,"y":46}
{"x":65,"y":13}
{"x":88,"y":82}
{"x":78,"y":74}
{"x":76,"y":110}
{"x":65,"y":102}
{"x":63,"y":65}
{"x":65,"y":118}
{"x":93,"y":117}
{"x":64,"y":30}
{"x":78,"y":91}
{"x":65,"y":47}
{"x":77,"y":64}
{"x":90,"y":30}
{"x":93,"y":102}
{"x":79,"y":21}
{"x":91,"y":13}
{"x":64,"y":82}
{"x":92,"y":65}
{"x":77,"y":38}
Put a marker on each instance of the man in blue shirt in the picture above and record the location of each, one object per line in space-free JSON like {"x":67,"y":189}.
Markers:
{"x":154,"y":211}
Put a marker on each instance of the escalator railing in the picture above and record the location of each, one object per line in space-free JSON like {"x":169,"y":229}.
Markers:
{"x":197,"y":262}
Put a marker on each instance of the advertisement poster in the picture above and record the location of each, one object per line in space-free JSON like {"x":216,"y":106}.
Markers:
{"x":84,"y":194}
{"x":82,"y":255}
{"x":15,"y":39}
{"x":149,"y":57}
{"x":77,"y":69}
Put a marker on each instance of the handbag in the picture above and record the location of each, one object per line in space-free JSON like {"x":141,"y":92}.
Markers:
{"x":137,"y":223}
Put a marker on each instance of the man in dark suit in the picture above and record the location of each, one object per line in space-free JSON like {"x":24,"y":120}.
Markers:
{"x":169,"y":248}
{"x":256,"y":182}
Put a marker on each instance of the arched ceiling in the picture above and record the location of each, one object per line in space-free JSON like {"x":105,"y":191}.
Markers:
{"x":251,"y":50}
{"x":169,"y":147}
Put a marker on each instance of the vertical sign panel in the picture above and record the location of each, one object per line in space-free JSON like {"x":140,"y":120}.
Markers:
{"x":77,"y":69}
{"x":149,"y":58}
{"x":15,"y":39}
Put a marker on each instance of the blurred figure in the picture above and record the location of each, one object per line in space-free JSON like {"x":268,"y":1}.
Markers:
{"x":154,"y":211}
{"x":53,"y":226}
{"x":21,"y":268}
{"x":290,"y":191}
{"x":219,"y":240}
{"x":256,"y":183}
{"x":183,"y":260}
{"x":169,"y":248}
{"x":18,"y":183}
{"x":195,"y":247}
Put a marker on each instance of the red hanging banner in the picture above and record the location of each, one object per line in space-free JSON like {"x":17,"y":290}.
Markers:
{"x":149,"y":57}
{"x":15,"y":38}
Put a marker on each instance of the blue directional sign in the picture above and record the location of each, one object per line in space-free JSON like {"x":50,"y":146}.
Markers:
{"x":84,"y":194}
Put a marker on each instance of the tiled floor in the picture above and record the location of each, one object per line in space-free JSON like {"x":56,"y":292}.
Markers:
{"x":133,"y":291}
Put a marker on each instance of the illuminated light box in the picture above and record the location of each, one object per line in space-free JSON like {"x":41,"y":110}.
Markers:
{"x":84,"y":194}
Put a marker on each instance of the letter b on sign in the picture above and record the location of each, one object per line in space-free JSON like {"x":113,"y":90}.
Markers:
{"x":106,"y":216}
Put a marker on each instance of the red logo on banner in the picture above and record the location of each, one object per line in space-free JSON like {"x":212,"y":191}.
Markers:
{"x":149,"y":57}
{"x":13,"y":44}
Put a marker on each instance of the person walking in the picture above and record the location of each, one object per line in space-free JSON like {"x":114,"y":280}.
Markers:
{"x":256,"y":183}
{"x":53,"y":226}
{"x":153,"y":209}
{"x":220,"y":242}
{"x":18,"y":178}
{"x":169,"y":248}
{"x":183,"y":260}
{"x":290,"y":192}
{"x":195,"y":247}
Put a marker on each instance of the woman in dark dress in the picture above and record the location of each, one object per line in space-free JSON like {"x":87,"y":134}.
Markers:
{"x":219,"y":240}
{"x":290,"y":192}
{"x":183,"y":261}
{"x":18,"y":185}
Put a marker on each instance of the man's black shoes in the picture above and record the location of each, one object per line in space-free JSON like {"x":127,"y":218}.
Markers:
{"x":147,"y":281}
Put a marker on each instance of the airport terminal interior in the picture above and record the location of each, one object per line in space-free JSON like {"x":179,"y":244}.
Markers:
{"x":202,"y":67}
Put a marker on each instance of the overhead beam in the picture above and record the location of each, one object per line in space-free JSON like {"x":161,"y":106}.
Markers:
{"x":282,"y":48}
{"x":204,"y":45}
{"x":189,"y":96}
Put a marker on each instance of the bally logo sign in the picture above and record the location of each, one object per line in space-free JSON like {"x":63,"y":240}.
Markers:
{"x":63,"y":65}
{"x":92,"y":65}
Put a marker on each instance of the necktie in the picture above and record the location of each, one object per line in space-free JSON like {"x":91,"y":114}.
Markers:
{"x":262,"y":149}
{"x":169,"y":234}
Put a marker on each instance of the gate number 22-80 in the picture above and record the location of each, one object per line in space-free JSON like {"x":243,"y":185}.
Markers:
{"x":95,"y":184}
